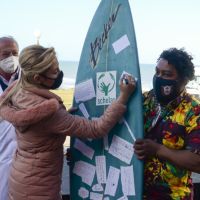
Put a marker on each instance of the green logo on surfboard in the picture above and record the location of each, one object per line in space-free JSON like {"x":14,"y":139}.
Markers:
{"x":106,"y":87}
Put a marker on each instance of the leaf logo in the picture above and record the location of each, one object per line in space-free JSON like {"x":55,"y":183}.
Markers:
{"x":105,"y":85}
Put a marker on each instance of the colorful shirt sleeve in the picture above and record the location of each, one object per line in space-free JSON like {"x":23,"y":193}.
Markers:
{"x":193,"y":130}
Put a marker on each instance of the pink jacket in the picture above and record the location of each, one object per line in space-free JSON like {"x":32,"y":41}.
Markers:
{"x":42,"y":123}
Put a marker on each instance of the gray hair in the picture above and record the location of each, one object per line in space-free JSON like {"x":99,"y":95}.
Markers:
{"x":9,"y":38}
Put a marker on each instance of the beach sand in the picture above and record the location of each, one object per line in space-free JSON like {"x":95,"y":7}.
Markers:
{"x":67,"y":97}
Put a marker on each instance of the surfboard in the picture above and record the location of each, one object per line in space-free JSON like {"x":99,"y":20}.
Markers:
{"x":107,"y":168}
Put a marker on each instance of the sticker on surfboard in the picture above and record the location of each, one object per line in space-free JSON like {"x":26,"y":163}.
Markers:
{"x":105,"y":88}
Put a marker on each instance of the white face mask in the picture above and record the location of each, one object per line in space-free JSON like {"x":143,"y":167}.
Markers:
{"x":10,"y":64}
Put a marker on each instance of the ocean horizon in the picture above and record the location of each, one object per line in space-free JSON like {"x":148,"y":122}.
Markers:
{"x":70,"y":68}
{"x":147,"y":71}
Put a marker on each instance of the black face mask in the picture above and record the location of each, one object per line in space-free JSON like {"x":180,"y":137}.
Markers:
{"x":57,"y":81}
{"x":166,"y":90}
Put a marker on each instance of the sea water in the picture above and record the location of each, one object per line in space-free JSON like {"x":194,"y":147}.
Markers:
{"x":69,"y":69}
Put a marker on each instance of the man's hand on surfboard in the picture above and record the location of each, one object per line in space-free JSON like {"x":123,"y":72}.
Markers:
{"x":144,"y":148}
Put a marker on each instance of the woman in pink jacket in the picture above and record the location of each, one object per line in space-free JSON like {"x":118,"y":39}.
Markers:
{"x":42,"y":123}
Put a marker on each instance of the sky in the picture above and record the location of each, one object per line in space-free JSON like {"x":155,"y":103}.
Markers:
{"x":159,"y":24}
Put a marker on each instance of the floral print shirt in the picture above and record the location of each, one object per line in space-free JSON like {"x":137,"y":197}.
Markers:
{"x":176,"y":126}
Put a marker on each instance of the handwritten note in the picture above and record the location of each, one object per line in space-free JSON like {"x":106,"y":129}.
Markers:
{"x":84,"y":111}
{"x":123,"y":198}
{"x":105,"y":142}
{"x":84,"y":91}
{"x":96,"y":196}
{"x":85,"y":170}
{"x":83,"y":193}
{"x":121,"y":149}
{"x":127,"y":180}
{"x":101,"y":168}
{"x":129,"y":129}
{"x":84,"y":149}
{"x":112,"y":181}
{"x":121,"y":44}
{"x":97,"y":188}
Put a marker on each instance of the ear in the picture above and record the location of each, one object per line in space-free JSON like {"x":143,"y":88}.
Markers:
{"x":37,"y":78}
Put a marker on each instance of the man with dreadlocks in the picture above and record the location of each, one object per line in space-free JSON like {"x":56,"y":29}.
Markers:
{"x":42,"y":123}
{"x":171,"y":148}
{"x":8,"y":73}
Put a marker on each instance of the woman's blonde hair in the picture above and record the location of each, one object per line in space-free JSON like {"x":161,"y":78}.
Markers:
{"x":33,"y":59}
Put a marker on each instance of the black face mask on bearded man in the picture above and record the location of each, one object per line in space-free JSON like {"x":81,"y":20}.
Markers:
{"x":166,"y":90}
